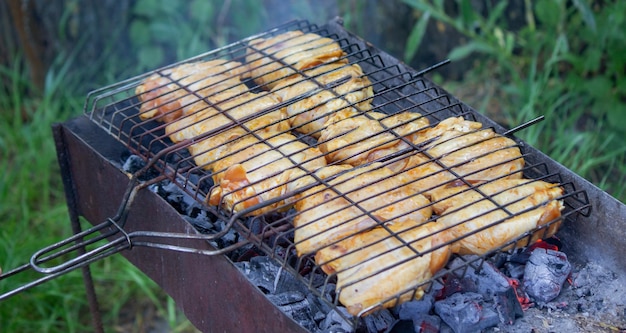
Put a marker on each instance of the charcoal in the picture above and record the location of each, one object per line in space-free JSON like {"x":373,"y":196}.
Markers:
{"x":426,"y":323}
{"x":379,"y":321}
{"x":229,"y":238}
{"x":408,"y":310}
{"x":402,"y":326}
{"x":454,"y":284}
{"x":515,"y":270}
{"x":545,"y":273}
{"x":286,"y":281}
{"x":261,"y":271}
{"x":336,"y":321}
{"x":296,"y":306}
{"x":328,"y":294}
{"x":132,"y":163}
{"x":488,"y":279}
{"x":288,"y":297}
{"x":200,"y":223}
{"x":466,"y":312}
{"x":508,"y":306}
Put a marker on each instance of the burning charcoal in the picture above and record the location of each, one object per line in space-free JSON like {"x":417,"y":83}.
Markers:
{"x":379,"y":321}
{"x":545,"y":273}
{"x":229,"y":238}
{"x":132,"y":163}
{"x":288,"y":297}
{"x":453,"y":284}
{"x":418,"y":313}
{"x":426,"y":323}
{"x":317,"y":307}
{"x":328,"y":293}
{"x":287,"y":282}
{"x":466,"y":312}
{"x":336,"y":321}
{"x":488,"y":279}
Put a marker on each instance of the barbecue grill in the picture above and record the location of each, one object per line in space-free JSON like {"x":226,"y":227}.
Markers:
{"x":201,"y":259}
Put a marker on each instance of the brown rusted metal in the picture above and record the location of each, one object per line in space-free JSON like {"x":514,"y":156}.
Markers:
{"x":210,"y":290}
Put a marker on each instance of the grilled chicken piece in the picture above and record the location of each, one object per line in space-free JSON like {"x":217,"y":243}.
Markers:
{"x":385,"y":266}
{"x":464,"y":148}
{"x":209,"y":119}
{"x":171,"y":93}
{"x":514,"y":207}
{"x":362,"y":138}
{"x":329,"y":214}
{"x":252,"y":172}
{"x":271,"y":60}
{"x":308,"y":116}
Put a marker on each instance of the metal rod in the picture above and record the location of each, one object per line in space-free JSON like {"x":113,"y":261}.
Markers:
{"x":70,"y":197}
{"x":524,"y":125}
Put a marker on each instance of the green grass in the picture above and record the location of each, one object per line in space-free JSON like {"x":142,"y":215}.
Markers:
{"x":564,"y":62}
{"x":34,"y":214}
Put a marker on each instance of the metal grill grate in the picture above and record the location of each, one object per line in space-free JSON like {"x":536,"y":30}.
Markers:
{"x":269,"y":223}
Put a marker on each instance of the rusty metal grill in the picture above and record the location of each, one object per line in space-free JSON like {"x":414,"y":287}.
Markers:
{"x":396,"y":88}
{"x":273,"y":217}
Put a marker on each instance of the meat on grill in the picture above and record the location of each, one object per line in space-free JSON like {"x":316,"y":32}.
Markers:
{"x":506,"y":208}
{"x":171,"y":93}
{"x":358,"y":199}
{"x":357,"y":139}
{"x":310,"y":115}
{"x":391,"y":263}
{"x":276,"y":58}
{"x":252,"y":172}
{"x":370,"y":223}
{"x":221,"y":115}
{"x":457,"y":148}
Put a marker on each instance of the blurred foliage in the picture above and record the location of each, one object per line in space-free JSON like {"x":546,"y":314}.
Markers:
{"x":564,"y":60}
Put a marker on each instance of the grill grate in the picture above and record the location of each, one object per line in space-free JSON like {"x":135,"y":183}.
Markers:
{"x":269,"y":223}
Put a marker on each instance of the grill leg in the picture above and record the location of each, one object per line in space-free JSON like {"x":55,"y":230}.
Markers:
{"x":92,"y":297}
{"x":63,"y":158}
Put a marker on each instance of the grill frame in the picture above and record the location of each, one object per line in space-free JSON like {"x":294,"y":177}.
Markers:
{"x":430,"y":99}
